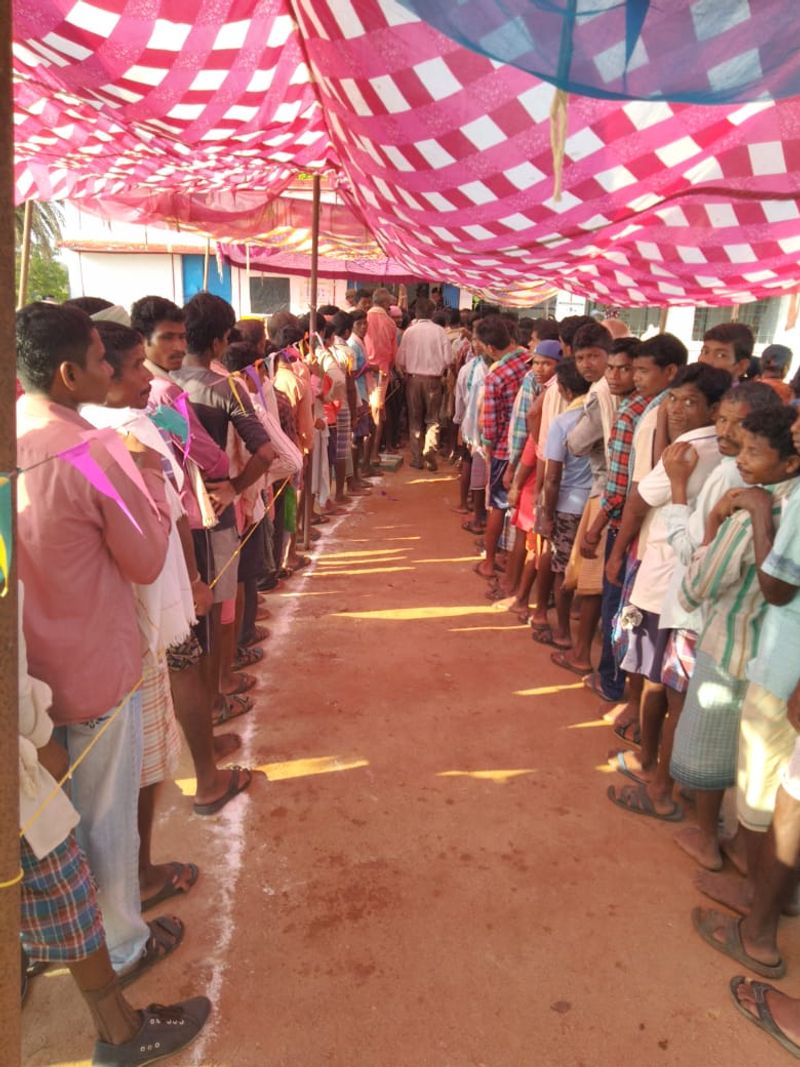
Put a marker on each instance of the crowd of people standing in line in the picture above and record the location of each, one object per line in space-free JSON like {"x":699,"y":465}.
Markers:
{"x":643,"y":514}
{"x":166,"y":456}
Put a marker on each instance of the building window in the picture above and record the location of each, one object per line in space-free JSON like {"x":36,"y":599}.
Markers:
{"x":638,"y":320}
{"x":760,"y":315}
{"x":545,"y":310}
{"x":268,"y":295}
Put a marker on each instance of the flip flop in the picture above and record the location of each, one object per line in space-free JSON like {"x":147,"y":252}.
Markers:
{"x":470,"y":528}
{"x":636,"y":800}
{"x":707,"y":921}
{"x":235,"y":706}
{"x":633,"y":738}
{"x":247,"y":657}
{"x":166,"y":933}
{"x":171,"y":888}
{"x":244,"y":683}
{"x":764,"y":1020}
{"x":486,"y":577}
{"x":494,"y":592}
{"x":560,"y":661}
{"x":239,"y":780}
{"x":260,"y":633}
{"x":622,"y":768}
{"x":592,"y":682}
{"x":541,"y":633}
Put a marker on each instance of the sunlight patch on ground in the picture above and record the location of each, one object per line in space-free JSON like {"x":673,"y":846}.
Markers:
{"x":433,"y":481}
{"x":451,"y":559}
{"x":587,"y":725}
{"x":302,"y":768}
{"x":324,"y":557}
{"x":499,"y":777}
{"x":478,"y":629}
{"x":331,"y":565}
{"x":547,"y":690}
{"x":316,"y":592}
{"x":606,"y":768}
{"x":358,"y":570}
{"x":372,"y":540}
{"x":450,"y":611}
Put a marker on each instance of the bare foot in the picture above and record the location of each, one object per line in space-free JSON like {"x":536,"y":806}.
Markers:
{"x":784,"y":1010}
{"x":734,"y":849}
{"x":571,"y":664}
{"x":483,"y":571}
{"x":225,"y":745}
{"x":702,"y":848}
{"x":729,"y":889}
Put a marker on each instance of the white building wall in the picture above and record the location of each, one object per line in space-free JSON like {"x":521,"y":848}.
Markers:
{"x":123,"y":277}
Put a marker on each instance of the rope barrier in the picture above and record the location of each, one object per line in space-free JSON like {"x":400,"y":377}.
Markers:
{"x":13,"y":881}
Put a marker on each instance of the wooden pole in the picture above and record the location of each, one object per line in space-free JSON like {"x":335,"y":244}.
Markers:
{"x":734,"y":313}
{"x":206,"y":258}
{"x":662,"y":320}
{"x":9,"y":693}
{"x":25,"y":255}
{"x":312,"y":327}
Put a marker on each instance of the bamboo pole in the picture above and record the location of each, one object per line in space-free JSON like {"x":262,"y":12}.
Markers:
{"x":662,"y":320}
{"x":9,"y":696}
{"x":312,"y":326}
{"x":25,"y":255}
{"x":206,"y":258}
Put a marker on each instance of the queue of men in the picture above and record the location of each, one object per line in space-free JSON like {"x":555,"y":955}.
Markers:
{"x":638,"y":510}
{"x":643,"y":514}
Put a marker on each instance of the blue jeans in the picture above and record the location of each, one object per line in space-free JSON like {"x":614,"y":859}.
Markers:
{"x":612,"y":678}
{"x":105,"y":792}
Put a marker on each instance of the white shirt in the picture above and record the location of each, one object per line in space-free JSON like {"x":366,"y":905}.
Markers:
{"x":425,"y":349}
{"x":659,"y":559}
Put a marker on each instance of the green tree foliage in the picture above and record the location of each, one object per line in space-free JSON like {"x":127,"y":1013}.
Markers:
{"x":46,"y":278}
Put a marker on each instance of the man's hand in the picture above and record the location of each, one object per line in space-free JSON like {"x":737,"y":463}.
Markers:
{"x":589,"y":545}
{"x":202,"y":596}
{"x":320,"y":424}
{"x":793,"y":706}
{"x":614,"y":567}
{"x":679,"y":461}
{"x":221,"y":495}
{"x":54,"y":758}
{"x":508,"y":477}
{"x":753,"y":499}
{"x":546,"y":523}
{"x":513,"y":496}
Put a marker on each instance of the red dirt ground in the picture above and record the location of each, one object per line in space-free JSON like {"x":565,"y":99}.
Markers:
{"x":429,"y":874}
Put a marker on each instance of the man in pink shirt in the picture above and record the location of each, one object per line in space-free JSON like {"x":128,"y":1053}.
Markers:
{"x":79,"y":554}
{"x":381,"y":345}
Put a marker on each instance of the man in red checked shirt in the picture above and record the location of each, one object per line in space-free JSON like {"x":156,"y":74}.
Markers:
{"x":381,"y":346}
{"x":510,"y":364}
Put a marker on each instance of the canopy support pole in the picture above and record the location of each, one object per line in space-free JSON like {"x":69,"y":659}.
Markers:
{"x":662,"y":320}
{"x":313,"y":286}
{"x":25,"y":255}
{"x":9,"y":693}
{"x":206,"y":258}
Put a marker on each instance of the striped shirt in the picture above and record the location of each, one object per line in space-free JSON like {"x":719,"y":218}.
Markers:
{"x":518,"y":427}
{"x":620,"y":450}
{"x":724,"y":580}
{"x":500,"y":390}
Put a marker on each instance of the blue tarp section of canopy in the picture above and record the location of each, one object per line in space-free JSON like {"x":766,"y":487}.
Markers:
{"x":692,"y":51}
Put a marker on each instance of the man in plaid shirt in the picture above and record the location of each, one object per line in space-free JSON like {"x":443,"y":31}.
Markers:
{"x":509,"y":367}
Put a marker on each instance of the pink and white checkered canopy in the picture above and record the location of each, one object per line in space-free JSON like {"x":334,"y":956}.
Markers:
{"x":442,"y":153}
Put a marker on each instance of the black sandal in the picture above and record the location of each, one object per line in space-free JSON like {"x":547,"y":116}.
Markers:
{"x":166,"y":933}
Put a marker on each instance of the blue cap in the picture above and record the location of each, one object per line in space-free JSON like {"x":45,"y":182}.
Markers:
{"x":549,"y":349}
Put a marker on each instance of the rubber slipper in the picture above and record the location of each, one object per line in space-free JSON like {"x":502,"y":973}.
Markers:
{"x":260,"y":633}
{"x":494,"y":592}
{"x":592,"y":682}
{"x":622,"y":767}
{"x":471,"y":528}
{"x":166,"y":933}
{"x":486,"y":577}
{"x":764,"y":1020}
{"x":247,"y":657}
{"x":235,"y":706}
{"x":244,"y":683}
{"x":172,"y":888}
{"x":541,"y":633}
{"x":239,"y":780}
{"x":707,"y":922}
{"x":634,"y":737}
{"x":320,"y":520}
{"x":559,"y":659}
{"x":636,"y":800}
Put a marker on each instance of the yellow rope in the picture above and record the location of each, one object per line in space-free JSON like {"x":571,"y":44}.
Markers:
{"x":13,"y":881}
{"x":246,"y":538}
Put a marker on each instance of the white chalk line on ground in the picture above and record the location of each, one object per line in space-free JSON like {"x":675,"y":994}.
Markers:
{"x":228,"y":831}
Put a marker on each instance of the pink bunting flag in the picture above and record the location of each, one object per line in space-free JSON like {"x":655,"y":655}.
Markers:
{"x":78,"y":457}
{"x":115,"y":447}
{"x":255,"y":378}
{"x":181,"y":405}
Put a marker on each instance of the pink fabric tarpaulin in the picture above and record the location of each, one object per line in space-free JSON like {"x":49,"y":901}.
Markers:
{"x":441,"y":154}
